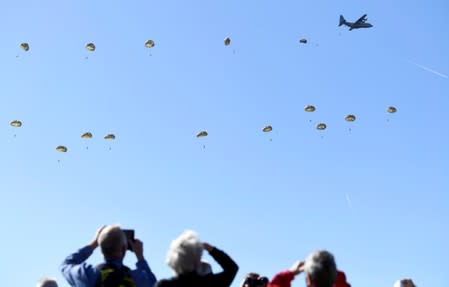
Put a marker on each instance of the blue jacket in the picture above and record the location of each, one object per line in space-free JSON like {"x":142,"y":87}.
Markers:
{"x":80,"y":274}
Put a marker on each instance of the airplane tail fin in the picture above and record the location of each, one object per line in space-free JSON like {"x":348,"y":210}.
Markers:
{"x":342,"y":20}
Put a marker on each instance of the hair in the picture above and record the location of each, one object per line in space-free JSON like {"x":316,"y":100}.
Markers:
{"x":47,"y":282}
{"x":184,"y":254}
{"x":112,"y":240}
{"x":321,"y":268}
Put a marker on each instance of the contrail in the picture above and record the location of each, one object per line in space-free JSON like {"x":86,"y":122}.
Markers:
{"x":429,"y":70}
{"x":349,"y":201}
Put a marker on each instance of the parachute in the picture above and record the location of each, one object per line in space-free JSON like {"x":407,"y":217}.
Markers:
{"x":16,"y":123}
{"x":87,"y":135}
{"x":303,"y":41}
{"x":350,"y":118}
{"x":109,"y":137}
{"x":227,"y":41}
{"x":149,"y":44}
{"x":321,"y":126}
{"x":202,"y":134}
{"x":267,"y":129}
{"x":309,"y":108}
{"x":391,"y":110}
{"x":25,"y":47}
{"x":90,"y":47}
{"x":61,"y":148}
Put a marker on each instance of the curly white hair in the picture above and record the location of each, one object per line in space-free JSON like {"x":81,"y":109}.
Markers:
{"x":184,"y":254}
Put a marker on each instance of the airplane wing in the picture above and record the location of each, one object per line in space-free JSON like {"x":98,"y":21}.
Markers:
{"x":361,"y":20}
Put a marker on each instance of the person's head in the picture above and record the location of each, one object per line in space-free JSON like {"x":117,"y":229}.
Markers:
{"x":112,"y":241}
{"x":47,"y":282}
{"x":184,"y":254}
{"x":404,"y":283}
{"x":320,"y":269}
{"x":254,"y":280}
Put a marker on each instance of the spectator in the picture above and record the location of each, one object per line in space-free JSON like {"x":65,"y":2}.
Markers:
{"x":184,"y":258}
{"x":404,"y":283}
{"x":320,"y":271}
{"x":47,"y":282}
{"x":113,"y":243}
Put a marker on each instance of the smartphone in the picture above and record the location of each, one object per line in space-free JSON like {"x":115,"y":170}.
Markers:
{"x":130,"y":236}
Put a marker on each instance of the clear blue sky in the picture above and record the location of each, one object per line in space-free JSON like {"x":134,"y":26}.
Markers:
{"x":376,"y":196}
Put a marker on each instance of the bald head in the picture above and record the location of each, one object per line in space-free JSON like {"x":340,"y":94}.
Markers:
{"x":112,"y":241}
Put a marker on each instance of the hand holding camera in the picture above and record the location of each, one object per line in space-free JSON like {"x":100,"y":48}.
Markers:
{"x":134,"y":245}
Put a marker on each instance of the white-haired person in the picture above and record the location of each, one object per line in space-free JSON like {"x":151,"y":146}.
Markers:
{"x":319,"y":268}
{"x":184,"y":258}
{"x":114,"y":244}
{"x":404,"y":283}
{"x":47,"y":282}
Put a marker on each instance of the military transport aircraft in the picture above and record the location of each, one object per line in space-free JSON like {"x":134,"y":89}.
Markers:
{"x":361,"y":23}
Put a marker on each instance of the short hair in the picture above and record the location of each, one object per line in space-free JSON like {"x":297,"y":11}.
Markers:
{"x":321,"y":268}
{"x":111,"y":240}
{"x":184,"y":254}
{"x":47,"y":282}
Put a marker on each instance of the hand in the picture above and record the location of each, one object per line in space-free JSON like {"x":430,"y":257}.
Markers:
{"x":297,"y":268}
{"x":94,"y":242}
{"x":137,"y":247}
{"x":208,"y":247}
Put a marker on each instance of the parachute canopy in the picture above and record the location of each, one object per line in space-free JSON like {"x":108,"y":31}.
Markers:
{"x":391,"y":110}
{"x":303,"y":41}
{"x":25,"y":47}
{"x":90,"y":47}
{"x":61,"y":148}
{"x":267,"y":129}
{"x":309,"y":108}
{"x":149,"y":44}
{"x":350,"y":118}
{"x":321,"y":126}
{"x":202,"y":134}
{"x":109,"y":137}
{"x":227,"y":41}
{"x":16,"y":123}
{"x":87,"y":135}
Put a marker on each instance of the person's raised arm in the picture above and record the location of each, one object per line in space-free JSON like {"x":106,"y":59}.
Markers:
{"x":230,"y":268}
{"x":284,"y":278}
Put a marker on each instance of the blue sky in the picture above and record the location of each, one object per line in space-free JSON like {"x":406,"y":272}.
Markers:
{"x":374,"y":192}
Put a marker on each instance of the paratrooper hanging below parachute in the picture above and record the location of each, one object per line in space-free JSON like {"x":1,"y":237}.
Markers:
{"x":87,"y":135}
{"x":15,"y":124}
{"x":202,"y":134}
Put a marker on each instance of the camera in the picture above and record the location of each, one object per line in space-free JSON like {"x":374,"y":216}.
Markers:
{"x":255,"y":281}
{"x":130,"y":237}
